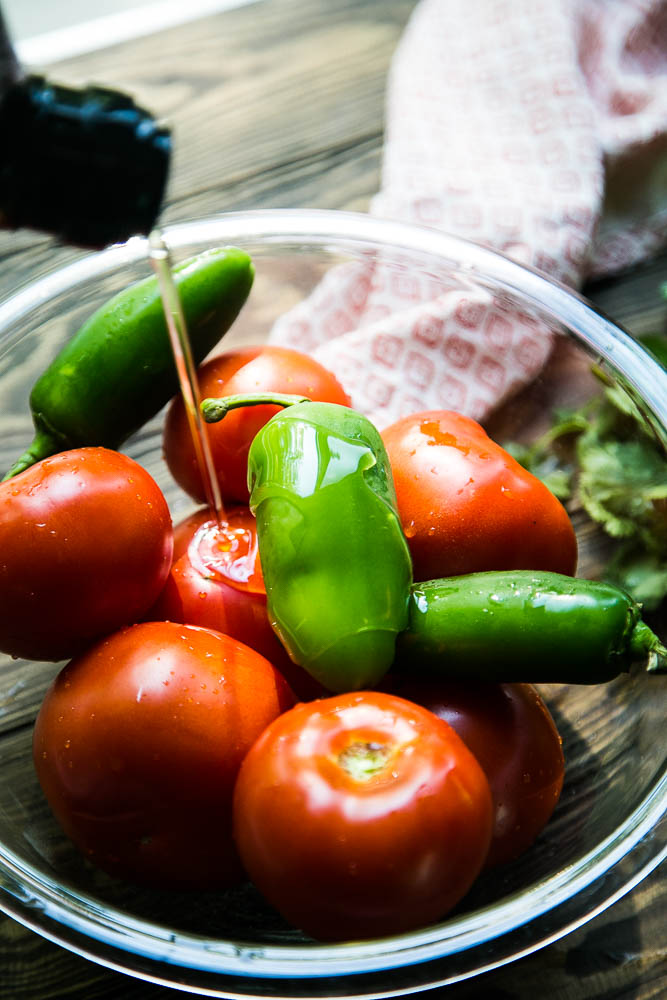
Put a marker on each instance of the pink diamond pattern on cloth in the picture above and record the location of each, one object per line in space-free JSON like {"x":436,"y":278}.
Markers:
{"x":536,"y":127}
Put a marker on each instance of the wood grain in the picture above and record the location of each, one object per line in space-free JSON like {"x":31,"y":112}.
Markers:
{"x":280,"y":104}
{"x":276,"y":104}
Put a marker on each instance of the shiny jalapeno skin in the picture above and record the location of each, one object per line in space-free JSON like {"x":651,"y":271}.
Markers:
{"x":535,"y":627}
{"x":118,"y":370}
{"x":336,"y":565}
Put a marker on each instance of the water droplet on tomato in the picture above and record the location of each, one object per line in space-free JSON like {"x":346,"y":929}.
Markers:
{"x":227,"y":552}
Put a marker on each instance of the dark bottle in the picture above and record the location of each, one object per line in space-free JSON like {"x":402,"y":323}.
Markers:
{"x":85,"y":165}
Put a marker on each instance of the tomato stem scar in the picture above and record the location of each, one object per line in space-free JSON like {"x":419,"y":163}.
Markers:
{"x":363,"y":760}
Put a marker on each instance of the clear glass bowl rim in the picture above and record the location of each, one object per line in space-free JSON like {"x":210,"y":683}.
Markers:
{"x":78,"y":922}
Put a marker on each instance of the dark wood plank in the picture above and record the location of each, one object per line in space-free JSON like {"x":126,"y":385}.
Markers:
{"x":634,"y":300}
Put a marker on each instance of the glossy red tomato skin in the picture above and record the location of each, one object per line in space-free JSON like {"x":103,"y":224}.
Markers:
{"x":193,"y":597}
{"x":185,"y":530}
{"x":511,"y":732}
{"x":342,"y":857}
{"x":85,"y":547}
{"x":253,"y":369}
{"x":466,"y":505}
{"x":138,"y":743}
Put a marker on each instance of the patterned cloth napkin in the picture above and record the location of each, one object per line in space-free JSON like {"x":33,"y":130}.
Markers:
{"x":536,"y":127}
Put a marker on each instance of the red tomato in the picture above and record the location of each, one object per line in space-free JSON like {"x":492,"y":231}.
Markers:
{"x":138,"y":743}
{"x":254,"y":369}
{"x":204,"y":588}
{"x":466,"y":505}
{"x":85,"y":547}
{"x":509,"y":729}
{"x":216,"y":579}
{"x":361,"y":815}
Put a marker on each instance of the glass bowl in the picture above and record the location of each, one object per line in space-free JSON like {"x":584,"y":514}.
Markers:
{"x":609,"y":829}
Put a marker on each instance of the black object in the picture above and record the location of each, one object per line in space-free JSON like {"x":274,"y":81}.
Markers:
{"x":87,"y":165}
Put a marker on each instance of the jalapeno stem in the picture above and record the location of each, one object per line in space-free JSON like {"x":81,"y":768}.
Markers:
{"x":644,"y":642}
{"x":43,"y":445}
{"x":215,"y":409}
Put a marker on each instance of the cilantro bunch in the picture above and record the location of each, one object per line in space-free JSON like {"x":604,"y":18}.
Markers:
{"x":617,"y":469}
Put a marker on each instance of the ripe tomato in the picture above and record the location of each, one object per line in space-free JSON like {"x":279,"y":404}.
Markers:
{"x":138,"y":743}
{"x":509,"y":729}
{"x":213,"y":586}
{"x":467,"y":505}
{"x":85,"y":547}
{"x":253,"y":369}
{"x":361,"y":815}
{"x":206,"y":588}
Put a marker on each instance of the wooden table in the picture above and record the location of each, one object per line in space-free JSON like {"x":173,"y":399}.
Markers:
{"x":280,"y":104}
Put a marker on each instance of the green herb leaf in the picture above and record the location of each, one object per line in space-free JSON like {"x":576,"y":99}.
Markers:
{"x":623,"y":486}
{"x":643,"y":575}
{"x":656,"y":344}
{"x":620,"y":477}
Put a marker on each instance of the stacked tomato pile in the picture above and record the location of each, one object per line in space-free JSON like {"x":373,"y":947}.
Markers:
{"x":180,"y":747}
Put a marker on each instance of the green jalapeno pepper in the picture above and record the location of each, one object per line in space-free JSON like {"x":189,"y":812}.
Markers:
{"x":336,"y":565}
{"x":525,"y":626}
{"x":118,"y":369}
